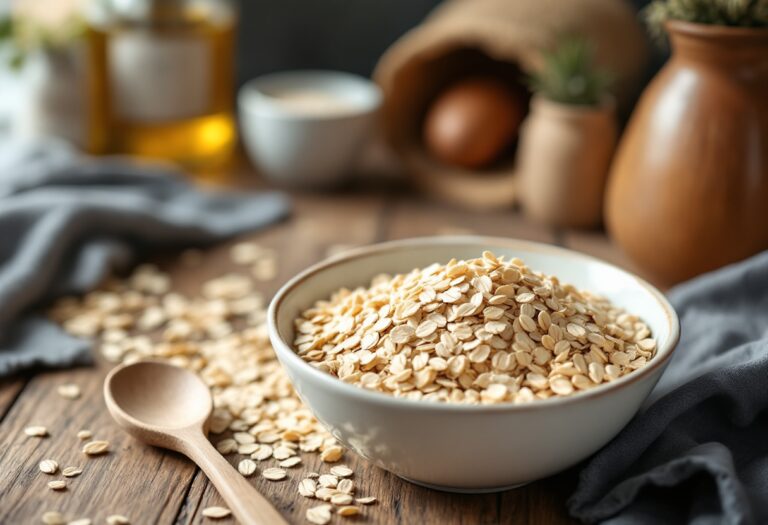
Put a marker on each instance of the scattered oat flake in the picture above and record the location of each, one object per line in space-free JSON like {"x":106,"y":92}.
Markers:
{"x":328,"y":480}
{"x":290,"y":462}
{"x":348,"y":510}
{"x":307,"y":487}
{"x":281,"y":453}
{"x":341,"y":471}
{"x":36,"y":431}
{"x":53,"y":518}
{"x":311,"y":444}
{"x":84,"y":434}
{"x":332,"y":454}
{"x":246,"y":467}
{"x":264,"y":452}
{"x":340,"y":498}
{"x":118,"y":519}
{"x":94,"y":448}
{"x":346,"y":485}
{"x":273,"y":474}
{"x":57,"y":484}
{"x":71,"y":472}
{"x":368,"y":500}
{"x":226,"y":446}
{"x":246,"y":449}
{"x":80,"y":521}
{"x":320,"y":515}
{"x":69,"y":391}
{"x":325,"y":493}
{"x":243,"y":438}
{"x":48,"y":466}
{"x":216,"y":512}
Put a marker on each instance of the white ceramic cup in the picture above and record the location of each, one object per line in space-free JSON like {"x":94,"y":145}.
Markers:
{"x":463,"y":447}
{"x":305,"y":148}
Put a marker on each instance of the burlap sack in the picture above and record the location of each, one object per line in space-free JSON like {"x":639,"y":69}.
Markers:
{"x":501,"y":36}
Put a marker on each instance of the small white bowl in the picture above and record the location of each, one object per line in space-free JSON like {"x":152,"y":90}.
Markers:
{"x":301,"y":146}
{"x":463,"y":447}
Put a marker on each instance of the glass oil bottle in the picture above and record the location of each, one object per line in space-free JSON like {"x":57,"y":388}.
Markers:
{"x":169,"y":70}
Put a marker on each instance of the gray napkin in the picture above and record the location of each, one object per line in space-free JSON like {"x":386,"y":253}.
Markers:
{"x":698,"y":451}
{"x":67,"y":220}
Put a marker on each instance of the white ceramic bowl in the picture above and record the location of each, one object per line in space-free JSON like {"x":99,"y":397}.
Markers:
{"x":471,"y":448}
{"x":304,"y":148}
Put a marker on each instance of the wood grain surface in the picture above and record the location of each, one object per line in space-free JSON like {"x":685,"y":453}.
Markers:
{"x":154,"y":486}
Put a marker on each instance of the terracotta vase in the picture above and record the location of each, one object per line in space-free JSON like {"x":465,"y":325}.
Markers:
{"x":563,"y":160}
{"x":688,"y":190}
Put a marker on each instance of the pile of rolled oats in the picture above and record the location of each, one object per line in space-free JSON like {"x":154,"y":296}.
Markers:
{"x":484,"y":330}
{"x":222,"y":335}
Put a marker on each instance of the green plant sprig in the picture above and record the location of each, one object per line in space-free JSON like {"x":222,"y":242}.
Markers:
{"x":739,"y":13}
{"x":569,"y":75}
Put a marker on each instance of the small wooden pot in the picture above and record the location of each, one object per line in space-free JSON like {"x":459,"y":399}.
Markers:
{"x":563,"y":160}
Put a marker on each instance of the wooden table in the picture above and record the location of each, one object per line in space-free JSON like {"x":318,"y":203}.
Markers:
{"x":154,"y":486}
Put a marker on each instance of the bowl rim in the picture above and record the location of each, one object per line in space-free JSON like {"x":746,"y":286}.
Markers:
{"x":285,"y":350}
{"x":251,"y":93}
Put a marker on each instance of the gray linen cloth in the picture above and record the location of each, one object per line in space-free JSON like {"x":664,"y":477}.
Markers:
{"x":67,"y":220}
{"x":698,"y":451}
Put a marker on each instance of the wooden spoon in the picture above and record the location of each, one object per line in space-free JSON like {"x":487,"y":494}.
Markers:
{"x":169,"y":407}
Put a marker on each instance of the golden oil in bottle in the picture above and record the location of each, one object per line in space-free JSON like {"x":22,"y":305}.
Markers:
{"x":169,"y":68}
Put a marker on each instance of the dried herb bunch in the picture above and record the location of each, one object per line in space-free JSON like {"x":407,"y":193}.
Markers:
{"x":741,"y":13}
{"x":569,"y":74}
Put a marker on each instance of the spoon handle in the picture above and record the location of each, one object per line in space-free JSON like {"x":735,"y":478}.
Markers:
{"x":246,"y":503}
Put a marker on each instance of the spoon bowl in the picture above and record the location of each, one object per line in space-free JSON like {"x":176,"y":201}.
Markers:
{"x":160,"y":395}
{"x":169,"y":407}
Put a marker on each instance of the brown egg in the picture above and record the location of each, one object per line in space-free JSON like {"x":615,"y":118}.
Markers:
{"x":473,"y":121}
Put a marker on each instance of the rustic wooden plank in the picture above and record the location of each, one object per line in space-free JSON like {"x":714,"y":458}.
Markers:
{"x":10,"y":388}
{"x":132,"y":479}
{"x":514,"y":507}
{"x":414,"y":504}
{"x":158,"y":487}
{"x":413,"y":218}
{"x":399,"y":502}
{"x":547,"y":499}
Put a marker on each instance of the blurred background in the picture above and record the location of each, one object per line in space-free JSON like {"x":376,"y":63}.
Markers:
{"x":528,"y":106}
{"x":345,"y":35}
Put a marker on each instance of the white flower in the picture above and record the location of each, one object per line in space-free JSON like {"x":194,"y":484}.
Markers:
{"x":48,"y":15}
{"x":45,"y":24}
